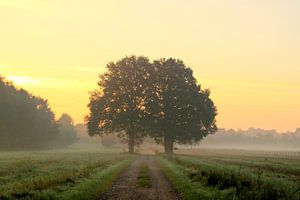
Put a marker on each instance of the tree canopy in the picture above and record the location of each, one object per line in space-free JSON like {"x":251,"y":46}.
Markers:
{"x":118,"y":104}
{"x":181,"y":112}
{"x":67,"y":132}
{"x":26,"y":121}
{"x":160,"y":99}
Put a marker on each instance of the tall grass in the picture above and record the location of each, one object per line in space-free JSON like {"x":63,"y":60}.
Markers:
{"x":54,"y":175}
{"x":226,"y":181}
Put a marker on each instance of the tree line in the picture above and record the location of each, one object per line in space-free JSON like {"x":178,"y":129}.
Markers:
{"x":253,"y":138}
{"x":27,"y":121}
{"x":161,"y":99}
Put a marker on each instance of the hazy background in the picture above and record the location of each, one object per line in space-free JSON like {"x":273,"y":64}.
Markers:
{"x":246,"y":52}
{"x":250,"y":139}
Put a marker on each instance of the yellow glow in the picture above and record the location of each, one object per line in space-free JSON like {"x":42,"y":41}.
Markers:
{"x":23,"y":80}
{"x":246,"y":52}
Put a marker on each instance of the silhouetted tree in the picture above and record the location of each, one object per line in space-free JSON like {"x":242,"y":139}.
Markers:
{"x":180,"y":111}
{"x":67,"y":132}
{"x":26,"y":121}
{"x":161,"y":99}
{"x":119,"y":103}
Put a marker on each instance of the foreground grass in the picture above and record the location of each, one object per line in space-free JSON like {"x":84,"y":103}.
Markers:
{"x":197,"y":178}
{"x":144,"y":179}
{"x":59,"y":175}
{"x":93,"y":186}
{"x":186,"y":187}
{"x":288,"y":166}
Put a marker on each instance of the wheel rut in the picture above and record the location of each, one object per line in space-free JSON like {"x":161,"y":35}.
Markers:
{"x":126,"y":187}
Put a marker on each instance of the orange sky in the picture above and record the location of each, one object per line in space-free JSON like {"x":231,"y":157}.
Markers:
{"x":246,"y":52}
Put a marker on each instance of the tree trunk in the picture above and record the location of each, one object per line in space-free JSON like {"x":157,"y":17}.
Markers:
{"x":131,"y":142}
{"x":165,"y":145}
{"x":171,"y":148}
{"x":168,"y":145}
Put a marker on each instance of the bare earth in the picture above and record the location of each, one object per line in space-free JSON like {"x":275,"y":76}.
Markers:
{"x":126,"y":187}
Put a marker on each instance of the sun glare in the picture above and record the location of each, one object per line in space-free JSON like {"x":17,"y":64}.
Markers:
{"x":23,"y":80}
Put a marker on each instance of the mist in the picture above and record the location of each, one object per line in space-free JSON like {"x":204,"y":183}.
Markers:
{"x":252,"y":139}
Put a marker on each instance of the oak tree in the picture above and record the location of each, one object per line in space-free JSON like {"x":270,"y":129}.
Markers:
{"x":180,"y":110}
{"x":118,"y":105}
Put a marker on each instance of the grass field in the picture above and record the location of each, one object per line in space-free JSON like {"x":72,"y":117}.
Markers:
{"x":233,"y":175}
{"x":59,"y":175}
{"x":196,"y":174}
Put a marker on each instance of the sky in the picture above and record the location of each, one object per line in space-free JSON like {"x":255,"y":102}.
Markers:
{"x":246,"y":52}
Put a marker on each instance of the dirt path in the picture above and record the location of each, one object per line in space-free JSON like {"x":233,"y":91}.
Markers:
{"x":126,"y":187}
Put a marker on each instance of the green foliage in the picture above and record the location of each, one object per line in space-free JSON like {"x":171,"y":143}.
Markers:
{"x":189,"y":189}
{"x":26,"y":121}
{"x":143,"y":178}
{"x":118,"y":104}
{"x":92,"y":187}
{"x":180,"y":110}
{"x":161,"y":99}
{"x":194,"y":174}
{"x":58,"y":175}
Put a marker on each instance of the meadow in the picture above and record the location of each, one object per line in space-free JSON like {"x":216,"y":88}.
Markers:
{"x":202,"y":174}
{"x":195,"y":174}
{"x":59,"y":174}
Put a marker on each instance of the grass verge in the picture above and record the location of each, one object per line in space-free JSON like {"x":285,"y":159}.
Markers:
{"x":197,"y":179}
{"x":75,"y":176}
{"x":144,"y":179}
{"x":94,"y":186}
{"x":188,"y":189}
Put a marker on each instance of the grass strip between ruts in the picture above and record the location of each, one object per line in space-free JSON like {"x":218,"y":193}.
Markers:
{"x":144,"y":179}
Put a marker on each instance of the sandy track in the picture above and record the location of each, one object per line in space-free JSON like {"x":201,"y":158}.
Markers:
{"x":126,"y":187}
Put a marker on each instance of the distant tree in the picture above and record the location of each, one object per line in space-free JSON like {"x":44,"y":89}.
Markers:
{"x":180,"y":111}
{"x":67,"y":132}
{"x":26,"y":121}
{"x":82,"y":131}
{"x":253,"y":138}
{"x":119,"y":103}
